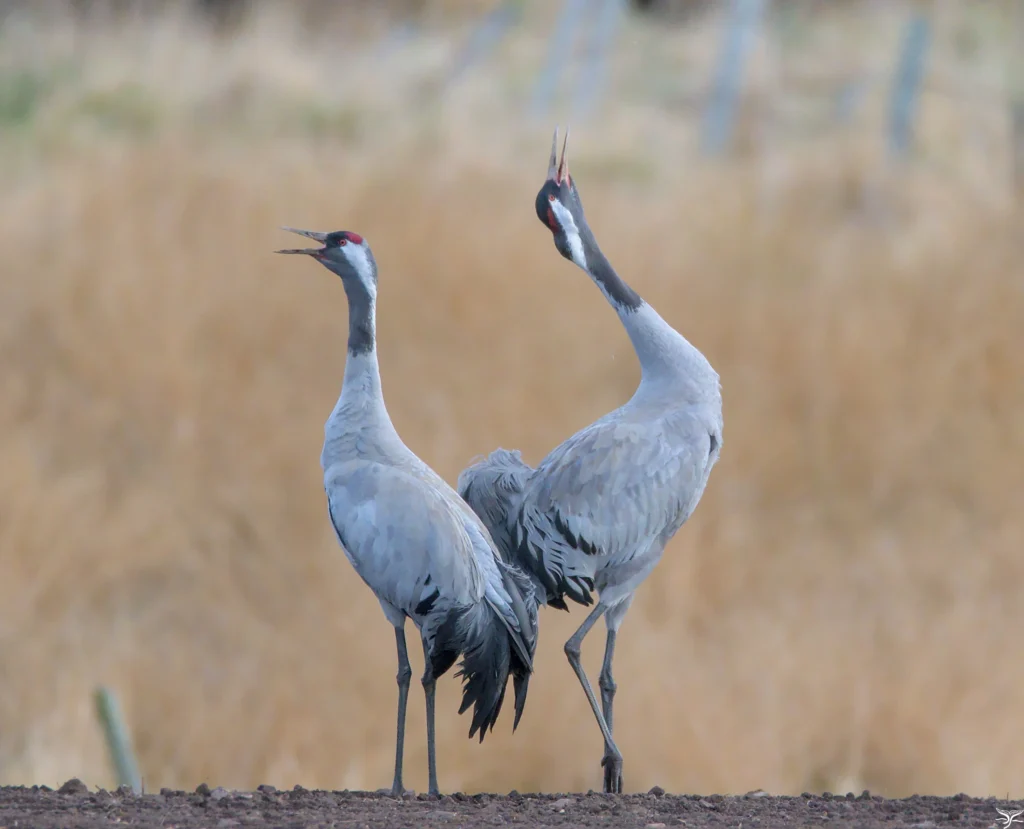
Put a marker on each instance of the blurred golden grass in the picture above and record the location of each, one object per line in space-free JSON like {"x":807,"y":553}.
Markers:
{"x":842,"y":610}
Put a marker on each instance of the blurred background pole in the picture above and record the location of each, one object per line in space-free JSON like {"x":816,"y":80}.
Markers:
{"x":906,"y":85}
{"x":738,"y":39}
{"x":486,"y":35}
{"x":1016,"y":87}
{"x":559,"y":48}
{"x":119,"y":742}
{"x":595,"y":73}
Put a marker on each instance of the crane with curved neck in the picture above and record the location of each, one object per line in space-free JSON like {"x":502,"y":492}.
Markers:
{"x":598,"y":510}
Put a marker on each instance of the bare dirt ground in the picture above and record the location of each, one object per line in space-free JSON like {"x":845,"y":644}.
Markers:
{"x":73,"y":805}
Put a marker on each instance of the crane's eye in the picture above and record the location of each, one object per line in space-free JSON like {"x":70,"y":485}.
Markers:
{"x":551,"y":197}
{"x":342,"y":242}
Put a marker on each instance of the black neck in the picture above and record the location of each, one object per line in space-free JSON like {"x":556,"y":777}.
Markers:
{"x":361,"y":333}
{"x":598,"y":266}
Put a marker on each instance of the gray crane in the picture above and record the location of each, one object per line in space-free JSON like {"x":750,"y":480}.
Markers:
{"x":420,"y":548}
{"x":597,"y":512}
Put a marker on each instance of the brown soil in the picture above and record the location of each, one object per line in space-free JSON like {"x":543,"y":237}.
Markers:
{"x":74,"y":806}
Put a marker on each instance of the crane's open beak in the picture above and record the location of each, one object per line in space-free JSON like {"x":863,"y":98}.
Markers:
{"x":312,"y":234}
{"x":558,"y":170}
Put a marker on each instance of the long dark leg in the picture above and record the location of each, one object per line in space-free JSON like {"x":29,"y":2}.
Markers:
{"x":428,"y":692}
{"x":572,"y":652}
{"x":612,"y":767}
{"x":404,"y":675}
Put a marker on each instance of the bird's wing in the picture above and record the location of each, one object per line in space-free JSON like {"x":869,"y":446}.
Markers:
{"x":612,"y":491}
{"x":493,"y":488}
{"x":405,"y":539}
{"x":509,"y":591}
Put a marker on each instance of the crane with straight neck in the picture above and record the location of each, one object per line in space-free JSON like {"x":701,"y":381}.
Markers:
{"x":420,"y":548}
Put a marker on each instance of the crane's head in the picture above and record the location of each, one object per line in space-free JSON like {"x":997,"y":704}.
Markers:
{"x":559,"y":207}
{"x":345,"y":253}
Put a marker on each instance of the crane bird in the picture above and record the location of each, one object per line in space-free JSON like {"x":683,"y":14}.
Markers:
{"x":420,"y":548}
{"x":597,"y":512}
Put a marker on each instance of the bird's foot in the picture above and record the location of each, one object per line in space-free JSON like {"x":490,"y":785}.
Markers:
{"x":612,"y":764}
{"x":397,"y":790}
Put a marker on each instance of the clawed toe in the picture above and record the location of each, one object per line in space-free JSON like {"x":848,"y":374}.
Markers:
{"x":612,"y":774}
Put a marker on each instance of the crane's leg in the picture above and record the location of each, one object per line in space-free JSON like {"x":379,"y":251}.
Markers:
{"x":612,"y":768}
{"x":404,"y":676}
{"x":428,"y":691}
{"x":607,"y":682}
{"x":612,"y":756}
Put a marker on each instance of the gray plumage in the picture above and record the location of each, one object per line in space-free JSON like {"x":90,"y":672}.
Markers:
{"x":420,"y":548}
{"x":597,"y":512}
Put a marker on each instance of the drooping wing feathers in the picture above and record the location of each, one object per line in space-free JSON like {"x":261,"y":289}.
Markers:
{"x":427,"y":555}
{"x":503,"y":594}
{"x":515,"y":605}
{"x":525,"y":604}
{"x":493,"y":488}
{"x":611,"y":492}
{"x":506,"y":647}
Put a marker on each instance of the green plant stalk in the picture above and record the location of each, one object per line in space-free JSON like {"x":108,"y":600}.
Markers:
{"x":118,"y":739}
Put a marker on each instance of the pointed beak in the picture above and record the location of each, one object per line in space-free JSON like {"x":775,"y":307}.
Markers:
{"x":553,"y":163}
{"x":558,"y":170}
{"x":306,"y":251}
{"x":311,"y":234}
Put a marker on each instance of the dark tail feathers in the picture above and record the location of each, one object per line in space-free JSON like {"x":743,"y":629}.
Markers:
{"x":486,"y":657}
{"x":490,"y":653}
{"x":492,"y":487}
{"x":524,"y":644}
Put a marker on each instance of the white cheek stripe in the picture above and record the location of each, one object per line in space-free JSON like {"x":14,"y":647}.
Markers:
{"x":356,"y":255}
{"x":572,"y":233}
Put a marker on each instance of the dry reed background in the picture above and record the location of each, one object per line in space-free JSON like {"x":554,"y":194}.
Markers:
{"x":842,"y":611}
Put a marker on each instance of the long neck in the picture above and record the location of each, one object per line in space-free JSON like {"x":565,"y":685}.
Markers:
{"x":622,"y":298}
{"x":360,"y":411}
{"x":362,"y":320}
{"x":665,"y":355}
